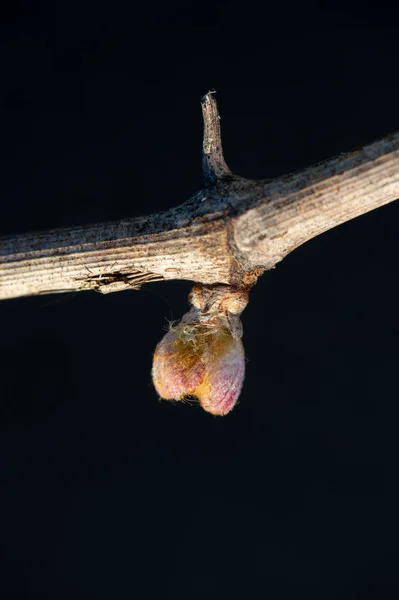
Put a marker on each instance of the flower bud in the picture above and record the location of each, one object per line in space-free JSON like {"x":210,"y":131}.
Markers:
{"x":203,"y":355}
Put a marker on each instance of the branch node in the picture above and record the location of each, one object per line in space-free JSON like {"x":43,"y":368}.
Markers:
{"x":214,"y":166}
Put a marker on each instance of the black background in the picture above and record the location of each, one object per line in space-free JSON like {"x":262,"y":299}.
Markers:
{"x":107,"y":492}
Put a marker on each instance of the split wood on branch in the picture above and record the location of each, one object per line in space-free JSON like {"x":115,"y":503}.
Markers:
{"x":227,"y":233}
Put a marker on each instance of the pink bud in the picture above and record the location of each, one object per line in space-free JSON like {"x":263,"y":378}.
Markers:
{"x":203,"y":355}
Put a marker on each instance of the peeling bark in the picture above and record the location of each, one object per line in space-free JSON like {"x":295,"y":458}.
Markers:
{"x":227,"y":233}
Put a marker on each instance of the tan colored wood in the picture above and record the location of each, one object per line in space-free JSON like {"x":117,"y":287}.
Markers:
{"x":228,"y":233}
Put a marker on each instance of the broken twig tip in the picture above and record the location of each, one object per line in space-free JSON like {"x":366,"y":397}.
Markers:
{"x":214,"y":166}
{"x":209,"y":97}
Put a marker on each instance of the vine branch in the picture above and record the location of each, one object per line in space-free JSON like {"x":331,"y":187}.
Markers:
{"x":227,"y":233}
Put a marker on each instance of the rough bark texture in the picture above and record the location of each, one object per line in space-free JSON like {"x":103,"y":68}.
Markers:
{"x":228,"y":233}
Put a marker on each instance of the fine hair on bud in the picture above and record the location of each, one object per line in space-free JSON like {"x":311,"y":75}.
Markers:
{"x":203,"y":355}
